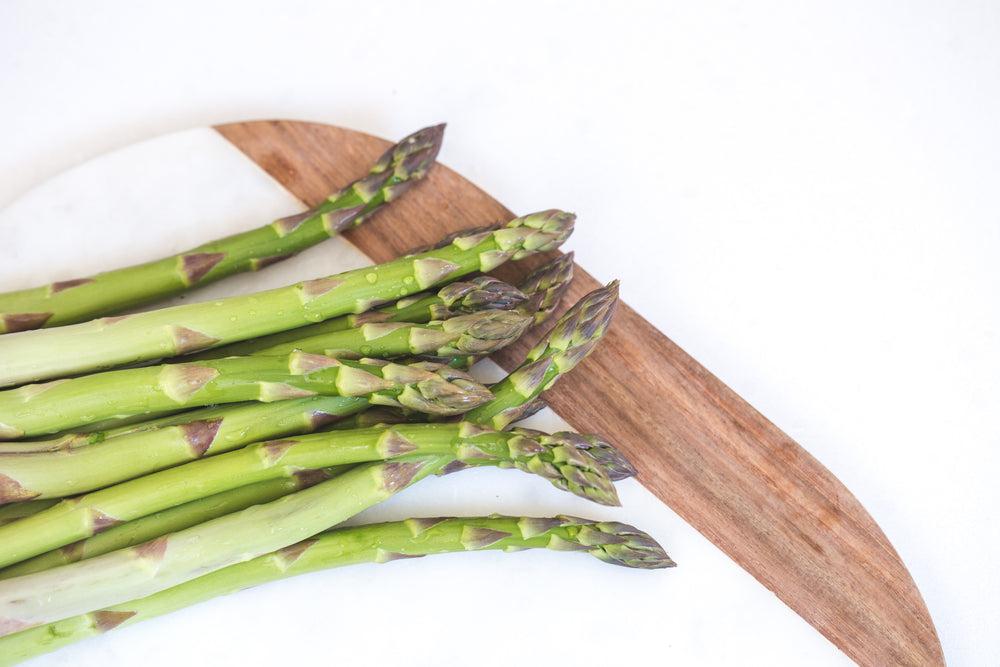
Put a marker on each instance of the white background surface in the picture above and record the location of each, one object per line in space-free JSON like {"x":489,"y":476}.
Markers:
{"x":802,"y":195}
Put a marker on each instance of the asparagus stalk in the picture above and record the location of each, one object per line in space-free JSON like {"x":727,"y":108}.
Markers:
{"x":30,"y":356}
{"x":612,"y":542}
{"x":150,"y":567}
{"x":81,"y":463}
{"x":62,"y":404}
{"x":473,"y":334}
{"x":172,"y":519}
{"x":541,"y":290}
{"x":70,"y":301}
{"x":539,"y":294}
{"x":552,"y":456}
{"x":147,"y":568}
{"x":475,"y":295}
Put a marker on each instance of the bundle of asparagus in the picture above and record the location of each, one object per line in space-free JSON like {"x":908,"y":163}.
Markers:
{"x":196,"y":450}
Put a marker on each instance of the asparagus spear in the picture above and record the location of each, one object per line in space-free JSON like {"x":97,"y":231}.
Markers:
{"x":169,"y":560}
{"x":172,"y":519}
{"x":116,"y":291}
{"x":38,"y":409}
{"x":612,"y":542}
{"x":549,"y":455}
{"x":30,"y":356}
{"x":83,"y":462}
{"x":572,"y":338}
{"x":77,"y":463}
{"x":545,"y":287}
{"x":475,"y":295}
{"x":147,"y":568}
{"x":473,"y":334}
{"x":539,"y":293}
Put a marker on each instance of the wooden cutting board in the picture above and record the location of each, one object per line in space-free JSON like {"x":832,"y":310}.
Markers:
{"x":712,"y":458}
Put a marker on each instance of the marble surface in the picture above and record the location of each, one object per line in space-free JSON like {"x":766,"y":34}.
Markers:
{"x":802,"y":196}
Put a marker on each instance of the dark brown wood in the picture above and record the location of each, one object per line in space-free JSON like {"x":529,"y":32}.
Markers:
{"x":699,"y":447}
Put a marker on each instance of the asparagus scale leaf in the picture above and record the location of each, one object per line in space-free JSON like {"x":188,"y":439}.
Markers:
{"x":31,"y":356}
{"x":116,"y":291}
{"x":612,"y":542}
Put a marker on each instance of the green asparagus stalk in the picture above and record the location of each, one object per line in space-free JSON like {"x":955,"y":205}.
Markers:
{"x":150,"y":567}
{"x":552,"y":456}
{"x":278,"y":415}
{"x":612,"y":542}
{"x":571,"y":340}
{"x":116,"y":291}
{"x":474,"y":334}
{"x":172,"y":519}
{"x":31,"y":356}
{"x":126,"y":574}
{"x":39,"y":409}
{"x":475,"y":295}
{"x":79,"y":463}
{"x":538,"y":295}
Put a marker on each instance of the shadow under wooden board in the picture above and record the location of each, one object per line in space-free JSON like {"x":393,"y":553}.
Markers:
{"x":705,"y":452}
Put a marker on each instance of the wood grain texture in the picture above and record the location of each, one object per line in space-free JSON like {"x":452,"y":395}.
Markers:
{"x":717,"y":462}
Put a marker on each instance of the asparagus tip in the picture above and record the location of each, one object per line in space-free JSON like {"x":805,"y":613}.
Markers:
{"x":621,"y":544}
